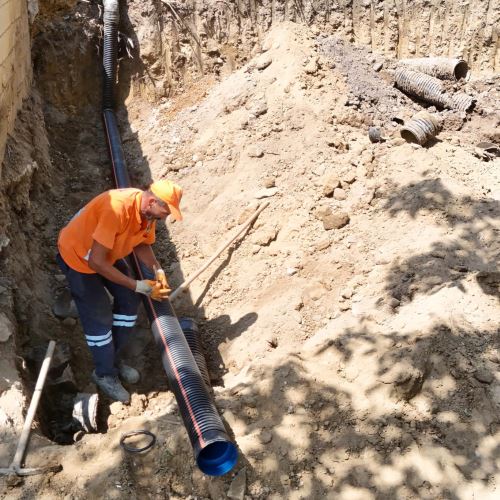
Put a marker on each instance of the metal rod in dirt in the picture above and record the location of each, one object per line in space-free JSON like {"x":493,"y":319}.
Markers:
{"x":25,"y":433}
{"x":185,"y":284}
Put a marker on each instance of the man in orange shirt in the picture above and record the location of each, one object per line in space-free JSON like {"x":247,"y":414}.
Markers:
{"x":92,"y":248}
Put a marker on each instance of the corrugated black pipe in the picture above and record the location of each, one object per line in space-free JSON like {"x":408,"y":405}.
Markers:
{"x":192,"y":334}
{"x":120,"y":171}
{"x":111,"y":18}
{"x":214,"y":452}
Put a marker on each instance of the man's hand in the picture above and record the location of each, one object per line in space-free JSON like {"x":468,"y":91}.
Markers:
{"x":161,"y":277}
{"x":153,"y":289}
{"x":159,"y":292}
{"x":144,"y":286}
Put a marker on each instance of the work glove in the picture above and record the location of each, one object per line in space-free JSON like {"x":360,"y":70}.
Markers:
{"x":159,"y":292}
{"x":164,"y":290}
{"x":162,"y":278}
{"x":153,"y":289}
{"x":144,"y":286}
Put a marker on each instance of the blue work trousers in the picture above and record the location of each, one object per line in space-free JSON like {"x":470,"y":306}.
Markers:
{"x":106,"y":328}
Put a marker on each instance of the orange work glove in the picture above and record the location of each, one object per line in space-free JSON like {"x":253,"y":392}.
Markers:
{"x":159,"y":292}
{"x":161,"y":277}
{"x":153,"y":289}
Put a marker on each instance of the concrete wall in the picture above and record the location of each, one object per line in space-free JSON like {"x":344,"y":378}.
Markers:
{"x":15,"y":63}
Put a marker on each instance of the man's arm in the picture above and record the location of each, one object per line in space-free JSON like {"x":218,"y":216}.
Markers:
{"x":98,"y":262}
{"x":145,"y":254}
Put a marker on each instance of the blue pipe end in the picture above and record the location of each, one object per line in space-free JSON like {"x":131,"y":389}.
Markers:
{"x":217,"y":458}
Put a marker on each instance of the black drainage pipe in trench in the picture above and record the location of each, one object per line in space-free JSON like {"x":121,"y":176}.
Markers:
{"x":192,"y":334}
{"x":214,"y":452}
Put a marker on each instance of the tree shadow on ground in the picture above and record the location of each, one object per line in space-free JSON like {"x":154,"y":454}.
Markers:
{"x":473,"y":249}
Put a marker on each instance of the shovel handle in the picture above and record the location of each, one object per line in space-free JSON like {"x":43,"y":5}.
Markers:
{"x":185,"y":284}
{"x":25,"y":433}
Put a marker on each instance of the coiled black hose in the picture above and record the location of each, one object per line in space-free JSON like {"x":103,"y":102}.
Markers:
{"x":214,"y":452}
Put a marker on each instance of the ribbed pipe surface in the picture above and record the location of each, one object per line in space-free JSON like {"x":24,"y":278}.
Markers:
{"x":421,"y":128}
{"x":192,"y":334}
{"x":431,"y":90}
{"x":463,"y":102}
{"x":445,"y":68}
{"x":423,"y":86}
{"x":214,"y":452}
{"x":111,"y":18}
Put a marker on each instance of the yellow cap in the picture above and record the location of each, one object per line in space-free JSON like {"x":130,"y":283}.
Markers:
{"x":171,"y":194}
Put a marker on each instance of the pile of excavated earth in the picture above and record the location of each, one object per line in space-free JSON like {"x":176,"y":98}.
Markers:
{"x":352,"y":334}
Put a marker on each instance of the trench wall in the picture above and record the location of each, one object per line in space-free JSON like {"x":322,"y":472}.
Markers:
{"x":15,"y":63}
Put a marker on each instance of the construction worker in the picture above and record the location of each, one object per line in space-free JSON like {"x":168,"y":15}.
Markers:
{"x":92,"y":247}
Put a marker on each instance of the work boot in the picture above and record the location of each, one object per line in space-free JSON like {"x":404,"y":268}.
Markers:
{"x":128,"y":374}
{"x":111,"y":386}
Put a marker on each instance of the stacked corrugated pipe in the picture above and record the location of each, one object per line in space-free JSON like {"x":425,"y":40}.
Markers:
{"x":445,"y":68}
{"x":423,"y":86}
{"x":417,"y":77}
{"x":214,"y":451}
{"x":421,"y":128}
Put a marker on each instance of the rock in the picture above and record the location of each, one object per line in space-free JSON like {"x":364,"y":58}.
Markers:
{"x":377,"y":66}
{"x":339,"y":194}
{"x":255,"y":152}
{"x":264,"y":237}
{"x":337,"y":142}
{"x":374,"y":134}
{"x":266,"y":193}
{"x":64,"y":306}
{"x":269,"y":182}
{"x":393,"y":302}
{"x":259,"y":108}
{"x":331,"y":182}
{"x":116,"y":408}
{"x":212,"y":48}
{"x":60,"y":278}
{"x":33,"y":9}
{"x":335,"y":221}
{"x":312,"y":66}
{"x":349,"y":178}
{"x":4,"y":241}
{"x":290,"y":271}
{"x":347,"y":293}
{"x":266,"y":436}
{"x":483,"y":375}
{"x":263,"y":62}
{"x":322,"y":211}
{"x":238,"y":486}
{"x":6,"y":328}
{"x":322,"y":245}
{"x":69,"y":321}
